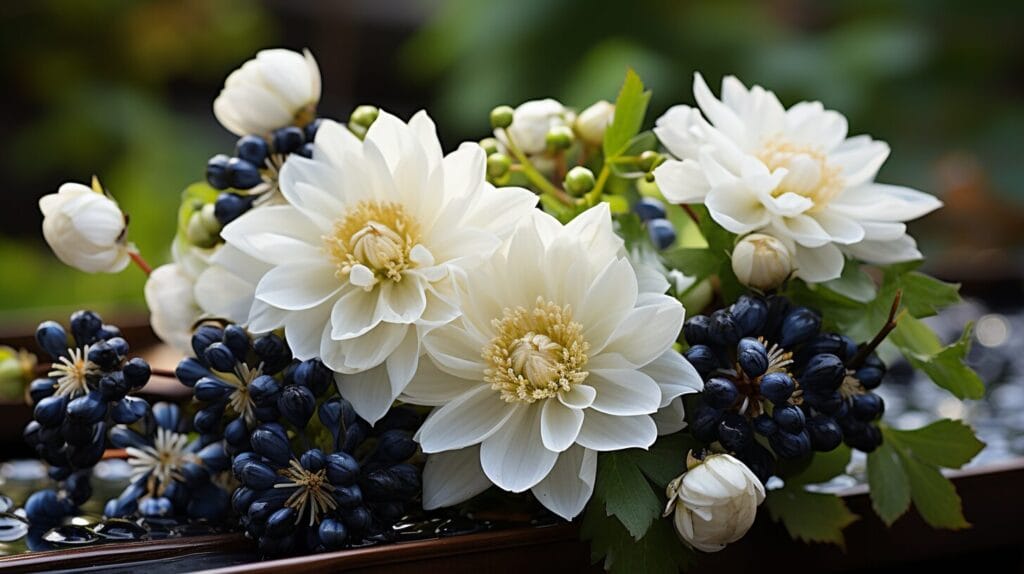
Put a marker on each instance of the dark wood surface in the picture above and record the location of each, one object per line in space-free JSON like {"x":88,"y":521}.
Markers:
{"x":991,"y":499}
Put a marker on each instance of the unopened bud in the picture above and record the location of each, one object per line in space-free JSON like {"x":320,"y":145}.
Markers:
{"x":498,"y":165}
{"x":490,"y":146}
{"x":593,"y":121}
{"x":761,"y":261}
{"x":559,"y":138}
{"x":501,"y":117}
{"x":364,"y":116}
{"x":579,"y":180}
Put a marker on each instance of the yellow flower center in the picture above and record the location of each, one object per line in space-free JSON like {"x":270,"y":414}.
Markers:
{"x":810,"y":174}
{"x":536,"y":354}
{"x":73,"y":372}
{"x":377,"y":235}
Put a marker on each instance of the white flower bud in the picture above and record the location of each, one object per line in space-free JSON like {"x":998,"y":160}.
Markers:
{"x":715,"y":502}
{"x":85,"y":228}
{"x":593,"y":121}
{"x":277,"y":88}
{"x":172,"y":305}
{"x":532,"y":121}
{"x":761,"y":261}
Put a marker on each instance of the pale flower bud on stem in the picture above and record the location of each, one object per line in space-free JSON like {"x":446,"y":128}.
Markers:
{"x":593,"y":121}
{"x":761,"y":261}
{"x":86,"y":229}
{"x":714,"y":502}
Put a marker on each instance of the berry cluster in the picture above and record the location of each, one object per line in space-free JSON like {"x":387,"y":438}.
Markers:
{"x":659,"y":228}
{"x":49,"y":506}
{"x":769,"y":370}
{"x":241,"y":380}
{"x":84,"y":393}
{"x":254,"y":167}
{"x":172,"y":475}
{"x":310,"y":500}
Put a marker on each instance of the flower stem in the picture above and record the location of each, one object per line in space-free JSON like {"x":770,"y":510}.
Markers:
{"x":887,"y":328}
{"x":535,"y":176}
{"x":137,"y":258}
{"x":594,"y":196}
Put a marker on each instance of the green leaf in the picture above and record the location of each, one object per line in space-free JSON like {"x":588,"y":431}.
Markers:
{"x":630,"y":109}
{"x":925,"y":296}
{"x":697,"y":263}
{"x":665,"y":459}
{"x":935,"y":497}
{"x":944,"y":365}
{"x":810,"y":516}
{"x":659,"y":552}
{"x":945,"y":443}
{"x":193,"y":199}
{"x":890,"y":488}
{"x":854,"y":284}
{"x":821,"y":467}
{"x":627,"y":494}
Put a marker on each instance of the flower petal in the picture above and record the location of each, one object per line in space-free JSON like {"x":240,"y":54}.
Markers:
{"x":514,"y":458}
{"x":559,"y":425}
{"x":566,"y":490}
{"x":675,"y":375}
{"x":433,"y":387}
{"x":604,"y":433}
{"x":452,"y":477}
{"x":818,"y":264}
{"x":470,"y":419}
{"x":298,"y":286}
{"x":370,"y":392}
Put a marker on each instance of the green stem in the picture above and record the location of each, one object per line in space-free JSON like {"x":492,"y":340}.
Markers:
{"x":594,"y":196}
{"x":535,"y":176}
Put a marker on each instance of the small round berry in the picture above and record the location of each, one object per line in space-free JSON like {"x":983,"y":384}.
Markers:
{"x":498,"y":165}
{"x":752,"y":357}
{"x":252,"y":149}
{"x":799,"y":326}
{"x":777,"y":387}
{"x":649,"y":208}
{"x":722,"y":329}
{"x":217,"y":172}
{"x":789,"y":418}
{"x":750,"y":314}
{"x":579,"y":180}
{"x":288,"y":140}
{"x":243,"y":174}
{"x":825,"y":433}
{"x":734,"y":432}
{"x":867,"y":407}
{"x":229,"y":206}
{"x":702,"y":358}
{"x":695,"y":329}
{"x":661,"y":232}
{"x":823,"y":373}
{"x":306,"y":150}
{"x":312,"y":128}
{"x":720,"y":393}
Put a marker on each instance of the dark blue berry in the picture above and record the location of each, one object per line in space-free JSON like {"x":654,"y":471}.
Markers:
{"x":50,"y":411}
{"x":288,"y":140}
{"x":825,"y":433}
{"x":104,"y":355}
{"x":750,"y":314}
{"x":53,"y":339}
{"x":314,"y":375}
{"x":204,"y":336}
{"x":649,"y":208}
{"x":220,"y":357}
{"x":217,"y":172}
{"x":789,"y":418}
{"x":765,"y":425}
{"x":799,"y":326}
{"x":720,"y":393}
{"x":312,"y":128}
{"x":695,"y":329}
{"x":823,"y":374}
{"x":734,"y":432}
{"x":661,"y":232}
{"x":867,"y":407}
{"x":306,"y":150}
{"x":258,"y":476}
{"x":271,"y":445}
{"x":252,"y":149}
{"x":789,"y":445}
{"x":702,"y":358}
{"x":777,"y":387}
{"x":342,"y":468}
{"x":332,"y":533}
{"x":752,"y":357}
{"x":722,"y":329}
{"x":229,"y":206}
{"x":84,"y":326}
{"x":155,"y":507}
{"x":393,"y":446}
{"x":41,"y":388}
{"x":274,"y":353}
{"x":136,"y":373}
{"x":243,"y":174}
{"x":128,"y":410}
{"x":705,"y":423}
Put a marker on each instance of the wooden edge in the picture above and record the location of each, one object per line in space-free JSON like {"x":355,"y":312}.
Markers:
{"x":123,"y":552}
{"x":410,"y":551}
{"x":119,"y":553}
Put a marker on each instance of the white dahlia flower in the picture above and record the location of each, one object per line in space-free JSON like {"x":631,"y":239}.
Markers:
{"x":793,"y":174}
{"x":364,"y":257}
{"x":715,"y":502}
{"x":559,"y":354}
{"x":85,"y":228}
{"x":172,"y":305}
{"x":275,"y":89}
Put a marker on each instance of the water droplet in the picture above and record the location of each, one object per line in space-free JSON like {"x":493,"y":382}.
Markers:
{"x":120,"y":529}
{"x":12,"y":527}
{"x":70,"y":535}
{"x":460,"y":525}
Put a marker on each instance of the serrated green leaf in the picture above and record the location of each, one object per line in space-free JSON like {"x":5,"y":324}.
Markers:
{"x":945,"y":443}
{"x":665,"y":459}
{"x":854,"y":284}
{"x":660,"y":551}
{"x":810,"y":516}
{"x":944,"y":365}
{"x":934,"y":496}
{"x":630,"y":109}
{"x":821,"y":467}
{"x":890,"y":488}
{"x":925,"y":296}
{"x":626,"y":493}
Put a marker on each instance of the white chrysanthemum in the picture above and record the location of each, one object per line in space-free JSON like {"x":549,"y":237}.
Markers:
{"x":793,"y":174}
{"x":560,"y":353}
{"x":275,"y":89}
{"x":364,"y":257}
{"x":85,"y":228}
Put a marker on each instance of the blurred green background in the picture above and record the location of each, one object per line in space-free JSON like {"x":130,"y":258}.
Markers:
{"x":123,"y":89}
